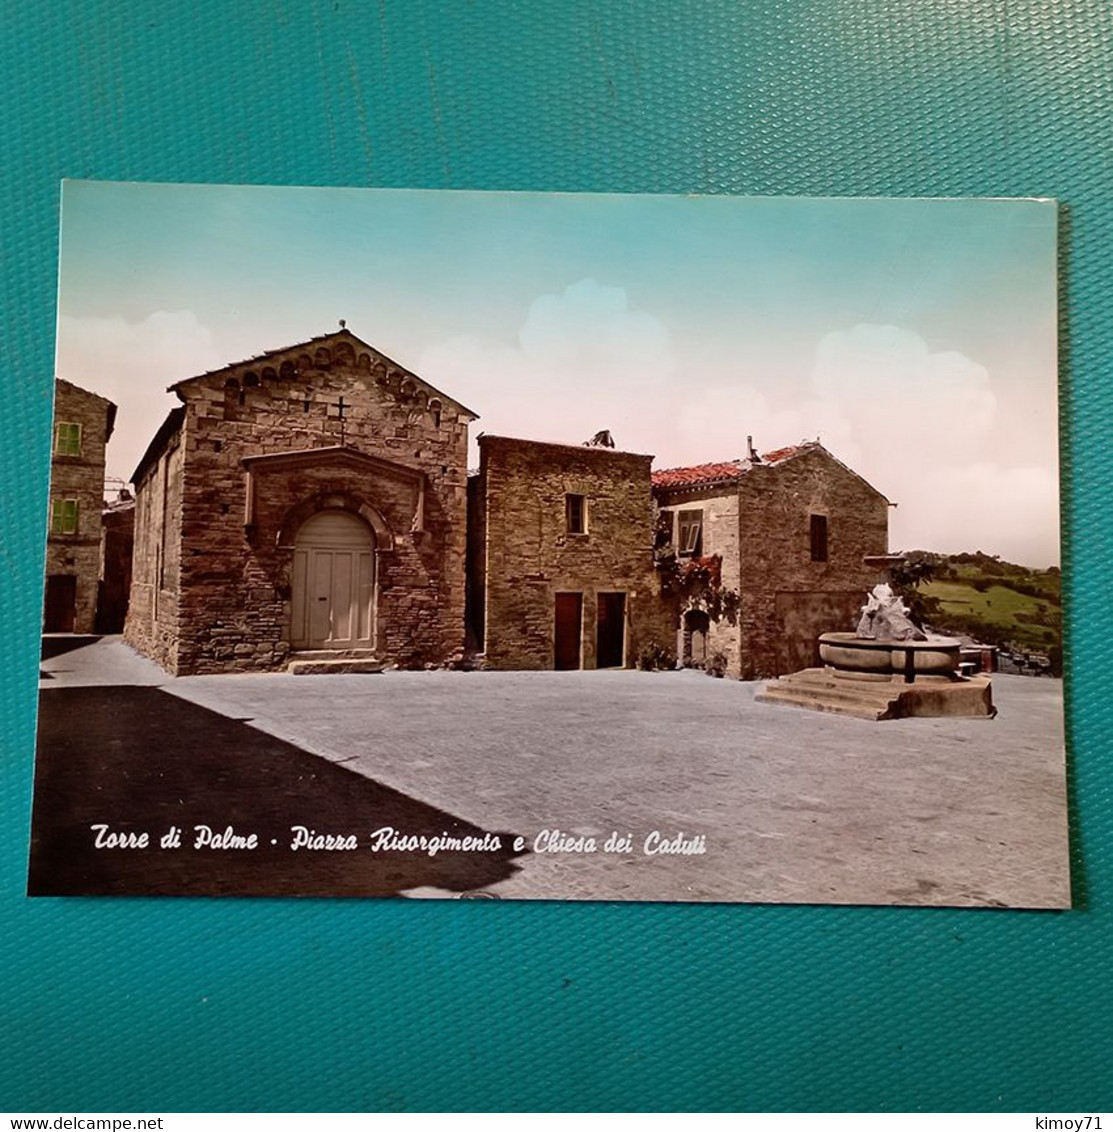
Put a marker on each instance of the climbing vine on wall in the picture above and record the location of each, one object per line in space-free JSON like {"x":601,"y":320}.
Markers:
{"x":693,"y":582}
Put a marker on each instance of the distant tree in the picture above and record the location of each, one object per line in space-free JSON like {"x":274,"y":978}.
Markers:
{"x":912,"y":572}
{"x":1030,"y":589}
{"x":907,"y":577}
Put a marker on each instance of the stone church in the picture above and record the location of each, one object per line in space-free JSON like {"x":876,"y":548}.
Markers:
{"x":311,"y":500}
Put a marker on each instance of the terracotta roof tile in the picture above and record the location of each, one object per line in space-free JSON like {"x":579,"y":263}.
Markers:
{"x":783,"y":453}
{"x":699,"y":474}
{"x":724,"y":471}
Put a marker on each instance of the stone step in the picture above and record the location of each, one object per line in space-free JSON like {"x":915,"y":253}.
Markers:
{"x":859,"y":707}
{"x":850,"y":689}
{"x":834,"y":695}
{"x":333,"y":654}
{"x":815,"y":690}
{"x":334,"y":666}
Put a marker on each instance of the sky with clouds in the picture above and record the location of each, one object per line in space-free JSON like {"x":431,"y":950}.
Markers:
{"x":915,"y":338}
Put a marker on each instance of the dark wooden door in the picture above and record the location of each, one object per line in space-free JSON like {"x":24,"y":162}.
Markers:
{"x":61,"y":603}
{"x":567,"y":631}
{"x":610,"y":631}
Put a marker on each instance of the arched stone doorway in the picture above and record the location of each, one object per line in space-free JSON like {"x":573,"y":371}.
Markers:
{"x":693,"y":644}
{"x":333,"y":583}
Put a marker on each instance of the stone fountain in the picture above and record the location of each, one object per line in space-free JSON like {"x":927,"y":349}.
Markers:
{"x":888,"y":668}
{"x":887,"y":645}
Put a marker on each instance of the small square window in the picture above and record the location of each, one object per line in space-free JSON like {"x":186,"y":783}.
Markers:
{"x":819,"y":538}
{"x":63,"y":517}
{"x":689,"y":540}
{"x":67,"y":439}
{"x":575,"y":514}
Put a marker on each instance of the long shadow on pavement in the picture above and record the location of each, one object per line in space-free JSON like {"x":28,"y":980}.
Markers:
{"x":53,"y":646}
{"x":140,"y":760}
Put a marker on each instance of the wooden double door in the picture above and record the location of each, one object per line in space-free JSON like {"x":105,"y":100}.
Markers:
{"x":333,"y":591}
{"x":610,"y":631}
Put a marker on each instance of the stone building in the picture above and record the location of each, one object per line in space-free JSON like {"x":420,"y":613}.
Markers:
{"x":311,"y":499}
{"x":561,"y":568}
{"x":83,"y":423}
{"x":117,"y":544}
{"x":793,"y":529}
{"x":314,"y":502}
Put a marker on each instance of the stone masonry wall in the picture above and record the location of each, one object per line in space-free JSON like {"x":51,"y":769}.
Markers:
{"x":81,"y":478}
{"x":235,"y":597}
{"x":151,"y":625}
{"x":760,"y":524}
{"x":530,"y":555}
{"x":720,"y":536}
{"x":476,"y":563}
{"x":788,"y":599}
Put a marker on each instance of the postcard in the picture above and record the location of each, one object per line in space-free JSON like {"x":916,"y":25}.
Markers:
{"x":551,"y":546}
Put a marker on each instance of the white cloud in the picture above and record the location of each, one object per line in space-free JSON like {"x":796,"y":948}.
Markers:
{"x":921,"y":426}
{"x":714,"y":425}
{"x":1009,"y":511}
{"x":925,"y":426}
{"x":888,"y":384}
{"x":132,"y":363}
{"x":585,"y":359}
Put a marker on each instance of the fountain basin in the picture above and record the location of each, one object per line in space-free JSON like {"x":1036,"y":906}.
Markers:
{"x":865,"y":658}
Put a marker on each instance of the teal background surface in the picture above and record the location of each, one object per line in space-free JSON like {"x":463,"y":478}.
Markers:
{"x":131,"y":1004}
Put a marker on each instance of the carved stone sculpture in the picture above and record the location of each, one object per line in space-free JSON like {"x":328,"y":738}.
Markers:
{"x":885,"y":617}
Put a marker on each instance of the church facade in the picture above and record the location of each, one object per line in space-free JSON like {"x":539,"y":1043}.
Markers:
{"x":309,"y":500}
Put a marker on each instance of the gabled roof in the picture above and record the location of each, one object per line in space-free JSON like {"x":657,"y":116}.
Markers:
{"x":323,"y":340}
{"x":779,"y":454}
{"x":341,"y":452}
{"x":109,"y":406}
{"x":731,"y":471}
{"x":158,"y":444}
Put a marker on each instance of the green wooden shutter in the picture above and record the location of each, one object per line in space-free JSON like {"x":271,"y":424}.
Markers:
{"x":67,"y":439}
{"x":63,"y":517}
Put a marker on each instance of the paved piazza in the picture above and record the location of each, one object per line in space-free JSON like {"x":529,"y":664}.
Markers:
{"x":793,"y":806}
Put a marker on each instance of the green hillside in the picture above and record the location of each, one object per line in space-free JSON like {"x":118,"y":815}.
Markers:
{"x":996,"y":602}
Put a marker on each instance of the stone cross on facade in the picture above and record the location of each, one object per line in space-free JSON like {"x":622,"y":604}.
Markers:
{"x":340,"y":408}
